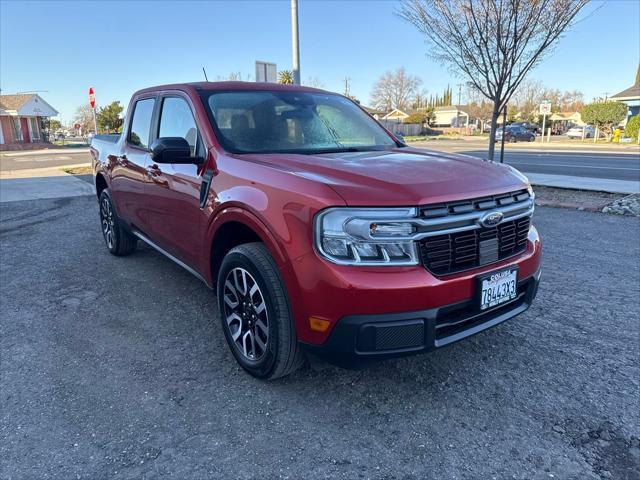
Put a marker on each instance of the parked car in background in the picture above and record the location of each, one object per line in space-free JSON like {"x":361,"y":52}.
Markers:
{"x":516,"y":134}
{"x":532,"y":127}
{"x":319,"y":230}
{"x":577,"y":132}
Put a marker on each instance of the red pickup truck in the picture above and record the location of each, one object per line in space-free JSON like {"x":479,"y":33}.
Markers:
{"x":320,"y":230}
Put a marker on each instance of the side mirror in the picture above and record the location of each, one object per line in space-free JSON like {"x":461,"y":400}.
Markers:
{"x":173,"y":150}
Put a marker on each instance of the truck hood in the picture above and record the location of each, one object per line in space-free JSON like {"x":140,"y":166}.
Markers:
{"x":403,"y":176}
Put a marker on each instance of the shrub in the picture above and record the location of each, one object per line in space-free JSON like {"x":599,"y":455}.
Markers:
{"x":633,"y":125}
{"x":416,"y":117}
{"x":604,"y":115}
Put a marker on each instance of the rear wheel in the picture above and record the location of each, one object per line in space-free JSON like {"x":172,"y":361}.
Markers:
{"x":512,"y":139}
{"x":255,"y":313}
{"x":118,"y":240}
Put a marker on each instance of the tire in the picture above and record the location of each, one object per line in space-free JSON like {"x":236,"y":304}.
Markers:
{"x":513,"y":140}
{"x":532,"y":138}
{"x":118,"y":240}
{"x":250,"y":268}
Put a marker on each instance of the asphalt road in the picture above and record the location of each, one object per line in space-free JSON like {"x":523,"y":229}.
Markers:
{"x":117,"y":368}
{"x":580,"y":164}
{"x":27,"y":161}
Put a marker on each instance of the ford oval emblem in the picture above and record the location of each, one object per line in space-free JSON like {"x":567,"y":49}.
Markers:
{"x":491,"y":219}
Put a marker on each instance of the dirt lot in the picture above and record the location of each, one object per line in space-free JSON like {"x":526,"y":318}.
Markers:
{"x":117,"y":368}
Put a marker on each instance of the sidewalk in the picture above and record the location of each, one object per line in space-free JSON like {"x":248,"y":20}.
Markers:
{"x":48,"y":151}
{"x":40,"y":183}
{"x":470,"y":143}
{"x":584,"y":183}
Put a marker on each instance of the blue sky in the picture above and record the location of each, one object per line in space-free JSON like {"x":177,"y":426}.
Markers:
{"x":120,"y":46}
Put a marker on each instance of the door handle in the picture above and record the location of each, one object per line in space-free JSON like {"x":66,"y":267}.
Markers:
{"x":153,"y":170}
{"x":155,"y":175}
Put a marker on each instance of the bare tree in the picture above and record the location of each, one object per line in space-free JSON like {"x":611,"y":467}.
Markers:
{"x":572,"y":101}
{"x":478,"y":106}
{"x":314,"y":82}
{"x":84,"y":116}
{"x":494,"y":43}
{"x":394,"y":90}
{"x":527,"y":97}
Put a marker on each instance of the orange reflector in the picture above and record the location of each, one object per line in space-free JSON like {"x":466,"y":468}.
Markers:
{"x":318,"y":324}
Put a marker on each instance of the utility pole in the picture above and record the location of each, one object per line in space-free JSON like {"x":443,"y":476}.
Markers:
{"x":346,"y":86}
{"x":458,"y":106}
{"x":295,"y":42}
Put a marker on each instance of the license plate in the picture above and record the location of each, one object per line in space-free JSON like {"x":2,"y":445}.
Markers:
{"x":498,"y":288}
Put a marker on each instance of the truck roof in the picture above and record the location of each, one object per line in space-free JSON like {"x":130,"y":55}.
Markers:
{"x":226,"y":86}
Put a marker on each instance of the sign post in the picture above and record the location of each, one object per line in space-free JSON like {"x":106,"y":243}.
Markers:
{"x":92,"y":102}
{"x":545,"y":109}
{"x":266,"y":72}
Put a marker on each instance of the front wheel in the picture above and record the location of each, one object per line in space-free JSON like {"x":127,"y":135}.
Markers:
{"x":255,"y":313}
{"x":512,"y":140}
{"x":532,"y":138}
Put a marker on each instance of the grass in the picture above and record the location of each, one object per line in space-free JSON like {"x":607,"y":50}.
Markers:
{"x":62,"y":143}
{"x":77,"y":170}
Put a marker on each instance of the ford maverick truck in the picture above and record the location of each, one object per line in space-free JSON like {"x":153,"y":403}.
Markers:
{"x":320,"y":231}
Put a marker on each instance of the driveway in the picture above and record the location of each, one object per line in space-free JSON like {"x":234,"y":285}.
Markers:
{"x":117,"y":368}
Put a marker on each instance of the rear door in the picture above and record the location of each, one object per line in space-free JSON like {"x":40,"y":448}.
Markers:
{"x":173,"y":190}
{"x":128,"y":175}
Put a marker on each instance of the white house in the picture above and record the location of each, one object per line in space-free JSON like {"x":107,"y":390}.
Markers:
{"x":451,"y":116}
{"x":21,"y":118}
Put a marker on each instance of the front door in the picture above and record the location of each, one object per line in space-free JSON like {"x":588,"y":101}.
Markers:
{"x":129,"y":170}
{"x":173,"y":190}
{"x":24,"y":126}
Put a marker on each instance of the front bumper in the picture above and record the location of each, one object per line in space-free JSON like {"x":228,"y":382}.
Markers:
{"x":360,"y":339}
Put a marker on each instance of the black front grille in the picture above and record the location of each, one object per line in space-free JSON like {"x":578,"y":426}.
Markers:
{"x":391,"y":336}
{"x":454,"y":252}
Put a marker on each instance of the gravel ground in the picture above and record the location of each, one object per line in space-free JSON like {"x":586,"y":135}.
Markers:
{"x":629,"y":205}
{"x":578,"y":199}
{"x":117,"y":368}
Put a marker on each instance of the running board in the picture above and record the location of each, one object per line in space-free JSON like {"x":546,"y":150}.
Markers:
{"x":170,"y":257}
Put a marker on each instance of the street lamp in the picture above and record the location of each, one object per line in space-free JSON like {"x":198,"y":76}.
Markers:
{"x":295,"y":42}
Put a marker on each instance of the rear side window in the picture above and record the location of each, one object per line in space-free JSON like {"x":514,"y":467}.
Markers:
{"x":177,"y":120}
{"x":141,"y":123}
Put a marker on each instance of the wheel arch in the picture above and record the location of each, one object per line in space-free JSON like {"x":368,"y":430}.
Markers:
{"x":100,"y":183}
{"x":236,"y":226}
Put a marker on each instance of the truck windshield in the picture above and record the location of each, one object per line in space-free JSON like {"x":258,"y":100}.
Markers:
{"x":293,"y":122}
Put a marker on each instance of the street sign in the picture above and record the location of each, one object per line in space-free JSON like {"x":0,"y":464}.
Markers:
{"x":545,"y":108}
{"x":76,"y":126}
{"x":266,"y":72}
{"x":92,"y":102}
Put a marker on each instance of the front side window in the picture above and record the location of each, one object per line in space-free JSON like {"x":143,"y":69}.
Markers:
{"x":176,"y":120}
{"x":295,"y":122}
{"x":141,"y":123}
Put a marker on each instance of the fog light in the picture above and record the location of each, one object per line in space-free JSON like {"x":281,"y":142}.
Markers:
{"x":319,"y":324}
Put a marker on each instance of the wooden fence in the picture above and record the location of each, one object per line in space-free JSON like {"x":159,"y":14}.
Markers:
{"x":405,"y":129}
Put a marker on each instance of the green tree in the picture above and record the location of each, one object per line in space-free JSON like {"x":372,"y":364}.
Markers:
{"x":286,"y":77}
{"x":633,"y":125}
{"x":108,"y":117}
{"x":604,"y":115}
{"x":416,"y":117}
{"x":54,"y":125}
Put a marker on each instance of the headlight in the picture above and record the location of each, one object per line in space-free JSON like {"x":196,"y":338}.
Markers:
{"x":366,"y":236}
